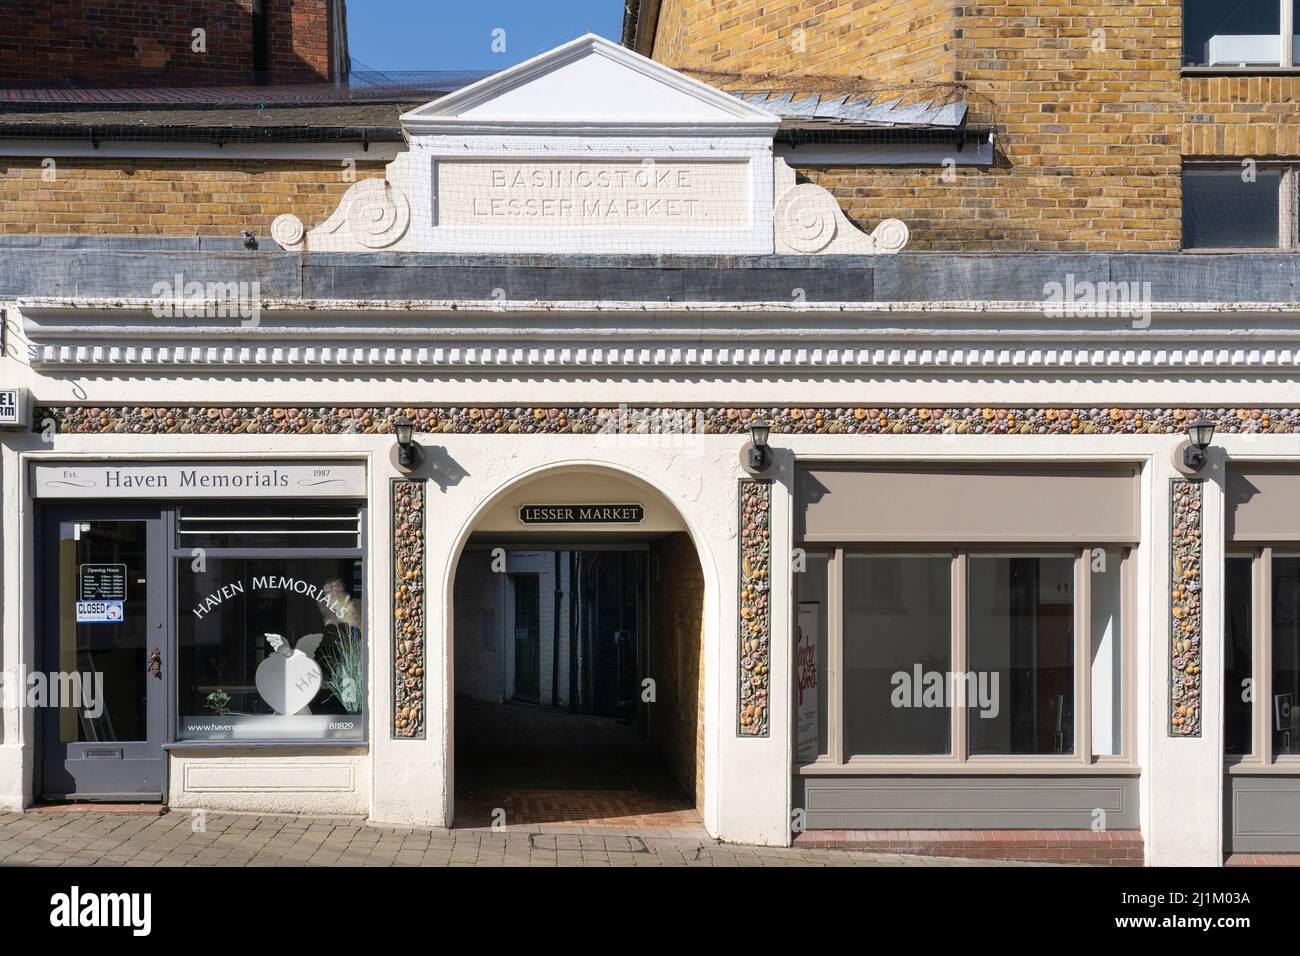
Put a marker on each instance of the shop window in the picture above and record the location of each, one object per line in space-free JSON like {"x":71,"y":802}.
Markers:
{"x":811,"y":667}
{"x":897,"y":654}
{"x":1239,"y":207}
{"x":268,"y":525}
{"x":1262,"y":657}
{"x":1286,"y":654}
{"x":1106,"y":610}
{"x":270,"y":633}
{"x":1239,"y":658}
{"x":1241,"y":34}
{"x":1021,"y":620}
{"x":972,"y":655}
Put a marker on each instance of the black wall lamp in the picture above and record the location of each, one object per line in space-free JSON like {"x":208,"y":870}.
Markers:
{"x":1199,"y":435}
{"x":409,"y":454}
{"x":757,"y":456}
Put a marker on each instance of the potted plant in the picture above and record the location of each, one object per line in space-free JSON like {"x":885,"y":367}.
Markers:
{"x":344,"y":659}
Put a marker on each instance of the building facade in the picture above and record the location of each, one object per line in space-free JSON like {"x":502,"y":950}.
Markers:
{"x":973,"y":580}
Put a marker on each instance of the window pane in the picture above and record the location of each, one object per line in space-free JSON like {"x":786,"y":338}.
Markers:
{"x":103,"y":630}
{"x":897,"y":655}
{"x":1240,"y":33}
{"x":1107,"y":655}
{"x":1231,"y":208}
{"x":1238,"y":663}
{"x":1286,"y":654}
{"x":1295,"y":31}
{"x":270,"y":524}
{"x":810,"y":658}
{"x":271,"y":649}
{"x":1022,"y":655}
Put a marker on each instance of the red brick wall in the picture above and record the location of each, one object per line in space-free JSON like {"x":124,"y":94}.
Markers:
{"x":150,"y":42}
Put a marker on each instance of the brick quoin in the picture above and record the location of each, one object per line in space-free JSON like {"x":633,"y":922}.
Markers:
{"x":150,"y":42}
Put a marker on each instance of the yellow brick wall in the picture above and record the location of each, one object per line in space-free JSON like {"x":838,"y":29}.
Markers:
{"x":886,"y":41}
{"x":171,"y":197}
{"x":1088,"y":124}
{"x":1242,"y":116}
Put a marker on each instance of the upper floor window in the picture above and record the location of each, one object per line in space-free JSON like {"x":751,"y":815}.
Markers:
{"x":1241,"y":33}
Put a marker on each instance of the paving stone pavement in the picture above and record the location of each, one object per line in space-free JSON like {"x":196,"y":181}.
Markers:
{"x":135,"y":839}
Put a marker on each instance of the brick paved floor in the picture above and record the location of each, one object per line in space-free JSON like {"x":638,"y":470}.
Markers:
{"x":541,"y":766}
{"x":138,"y":839}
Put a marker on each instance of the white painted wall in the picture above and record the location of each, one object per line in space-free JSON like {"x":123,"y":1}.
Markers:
{"x":480,"y":624}
{"x":747,"y":781}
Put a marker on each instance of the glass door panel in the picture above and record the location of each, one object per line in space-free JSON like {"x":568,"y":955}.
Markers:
{"x":102,"y":646}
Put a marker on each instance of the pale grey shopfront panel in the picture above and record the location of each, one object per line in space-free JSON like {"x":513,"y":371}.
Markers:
{"x":918,"y":503}
{"x":1262,"y":814}
{"x":1263,"y":504}
{"x":967,"y":803}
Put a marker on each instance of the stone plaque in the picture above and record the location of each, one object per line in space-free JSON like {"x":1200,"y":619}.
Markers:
{"x":594,"y":194}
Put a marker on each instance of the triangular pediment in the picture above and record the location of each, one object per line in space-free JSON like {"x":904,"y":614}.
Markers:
{"x":589,"y":83}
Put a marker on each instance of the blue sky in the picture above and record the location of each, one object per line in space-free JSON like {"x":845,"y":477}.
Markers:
{"x":458,"y":34}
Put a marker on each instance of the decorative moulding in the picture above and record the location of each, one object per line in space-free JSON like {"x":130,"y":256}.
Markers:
{"x":408,"y":514}
{"x":373,"y":215}
{"x":723,"y":420}
{"x":588,"y":86}
{"x":590,"y":149}
{"x":807,"y":220}
{"x":755,"y":616}
{"x":1185,"y":608}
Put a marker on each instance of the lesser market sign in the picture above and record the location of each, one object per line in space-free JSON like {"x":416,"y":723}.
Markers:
{"x":582,"y":514}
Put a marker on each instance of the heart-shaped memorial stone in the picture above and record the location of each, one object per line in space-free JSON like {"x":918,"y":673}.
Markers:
{"x":289,"y":680}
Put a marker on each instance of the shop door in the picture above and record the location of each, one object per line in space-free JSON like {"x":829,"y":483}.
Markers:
{"x":102,"y":649}
{"x":528,"y":637}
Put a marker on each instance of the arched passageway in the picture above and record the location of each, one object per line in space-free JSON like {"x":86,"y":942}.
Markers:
{"x":577,"y":665}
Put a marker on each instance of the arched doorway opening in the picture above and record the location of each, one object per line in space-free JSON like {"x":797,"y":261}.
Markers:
{"x":578,"y":613}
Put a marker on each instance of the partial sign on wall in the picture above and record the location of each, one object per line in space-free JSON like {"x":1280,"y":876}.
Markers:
{"x":13,"y":405}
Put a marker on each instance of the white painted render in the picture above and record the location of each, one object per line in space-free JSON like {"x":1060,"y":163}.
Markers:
{"x":747,"y":781}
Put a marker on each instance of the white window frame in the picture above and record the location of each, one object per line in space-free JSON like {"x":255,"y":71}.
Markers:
{"x":1286,"y":39}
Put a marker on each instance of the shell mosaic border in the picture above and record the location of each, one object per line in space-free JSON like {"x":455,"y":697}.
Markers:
{"x":1186,"y":496}
{"x":755,"y":613}
{"x":408,"y":607}
{"x":615,"y":419}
